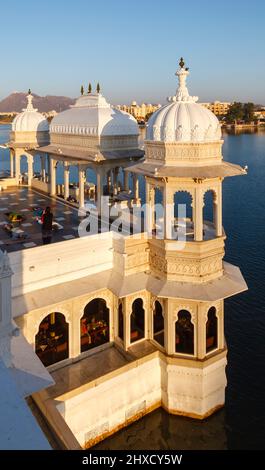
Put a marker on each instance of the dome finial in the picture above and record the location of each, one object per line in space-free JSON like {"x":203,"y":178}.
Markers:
{"x":181,"y":63}
{"x":29,"y":105}
{"x":182,"y":93}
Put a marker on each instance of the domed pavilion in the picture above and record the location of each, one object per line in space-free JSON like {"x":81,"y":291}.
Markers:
{"x":93,"y":135}
{"x":30,"y":130}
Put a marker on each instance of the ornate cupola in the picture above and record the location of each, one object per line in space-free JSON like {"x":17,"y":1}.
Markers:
{"x":186,"y":272}
{"x":30,"y":127}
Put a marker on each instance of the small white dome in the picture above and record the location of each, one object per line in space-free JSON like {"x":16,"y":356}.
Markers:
{"x":30,"y":120}
{"x":92,"y":115}
{"x":183,"y":120}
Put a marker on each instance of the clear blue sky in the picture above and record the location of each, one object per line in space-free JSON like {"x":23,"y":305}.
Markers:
{"x":132,"y":47}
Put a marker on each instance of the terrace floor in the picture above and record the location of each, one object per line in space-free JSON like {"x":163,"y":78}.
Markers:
{"x":22,"y":201}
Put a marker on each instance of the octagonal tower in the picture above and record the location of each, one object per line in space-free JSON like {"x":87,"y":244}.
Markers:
{"x":186,"y":272}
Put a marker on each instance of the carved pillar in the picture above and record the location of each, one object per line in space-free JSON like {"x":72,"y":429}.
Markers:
{"x":30,"y":160}
{"x":217,"y":209}
{"x":126,"y":180}
{"x":100,"y":182}
{"x":75,"y":349}
{"x":168,"y":211}
{"x":109,"y":181}
{"x":149,"y":208}
{"x":170,"y":329}
{"x":127,"y":324}
{"x":201,"y":331}
{"x":166,"y":326}
{"x":43,"y":168}
{"x":82,"y":178}
{"x":48,"y":159}
{"x":115,"y":181}
{"x":136,"y":187}
{"x":12,"y":169}
{"x":66,"y":180}
{"x":52,"y":177}
{"x":198,"y":222}
{"x":17,"y":167}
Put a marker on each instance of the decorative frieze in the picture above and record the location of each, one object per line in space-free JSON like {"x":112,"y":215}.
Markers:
{"x":172,"y":152}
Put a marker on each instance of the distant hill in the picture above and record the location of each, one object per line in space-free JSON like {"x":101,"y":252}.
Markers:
{"x":17,"y":101}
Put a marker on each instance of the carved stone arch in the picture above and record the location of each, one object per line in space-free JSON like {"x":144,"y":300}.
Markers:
{"x":34,"y":327}
{"x":211,"y":189}
{"x":107,"y":296}
{"x":217,"y":307}
{"x":182,"y":189}
{"x":189,"y":309}
{"x":138,"y":295}
{"x":153,"y":300}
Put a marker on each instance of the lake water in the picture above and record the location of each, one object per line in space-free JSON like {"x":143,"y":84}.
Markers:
{"x":241,"y":424}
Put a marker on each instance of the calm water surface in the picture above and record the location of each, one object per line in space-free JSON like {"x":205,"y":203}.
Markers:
{"x":241,"y":424}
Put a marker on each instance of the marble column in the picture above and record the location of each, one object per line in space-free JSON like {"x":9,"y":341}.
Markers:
{"x":30,"y":169}
{"x":52,"y":177}
{"x":100,"y":182}
{"x":115,"y":181}
{"x":168,"y":203}
{"x":82,"y":178}
{"x":48,"y":159}
{"x":201,"y":330}
{"x":217,"y":209}
{"x":136,"y":187}
{"x":17,"y":167}
{"x":12,"y":169}
{"x":66,"y":181}
{"x":126,"y":180}
{"x":109,"y":181}
{"x":198,"y":221}
{"x":43,"y":169}
{"x":149,"y":208}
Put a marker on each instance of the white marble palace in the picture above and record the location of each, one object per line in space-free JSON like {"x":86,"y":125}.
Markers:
{"x":103,"y":329}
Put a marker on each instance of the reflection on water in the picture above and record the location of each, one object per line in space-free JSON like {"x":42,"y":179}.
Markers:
{"x":242,"y":423}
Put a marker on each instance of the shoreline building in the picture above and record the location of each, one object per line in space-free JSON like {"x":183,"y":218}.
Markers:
{"x":127,"y":324}
{"x":219,"y":108}
{"x":140,"y":112}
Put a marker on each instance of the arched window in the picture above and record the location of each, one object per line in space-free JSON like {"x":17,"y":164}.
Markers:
{"x":120,"y":320}
{"x":183,"y":215}
{"x":158,"y":217}
{"x":51,"y":341}
{"x":137,"y":320}
{"x":94,"y":324}
{"x":209,"y":215}
{"x":184,"y":333}
{"x":211,"y":330}
{"x":158,"y":323}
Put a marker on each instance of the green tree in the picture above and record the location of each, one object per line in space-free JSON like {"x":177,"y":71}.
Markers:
{"x":89,"y":88}
{"x":235,"y":113}
{"x":98,"y":87}
{"x":248,"y":110}
{"x":82,"y":90}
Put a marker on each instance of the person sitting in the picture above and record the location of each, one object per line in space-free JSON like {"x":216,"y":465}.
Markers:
{"x":14,"y":217}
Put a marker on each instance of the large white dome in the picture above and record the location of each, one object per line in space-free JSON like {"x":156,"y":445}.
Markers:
{"x":30,"y":120}
{"x":92,"y":115}
{"x":183,"y":120}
